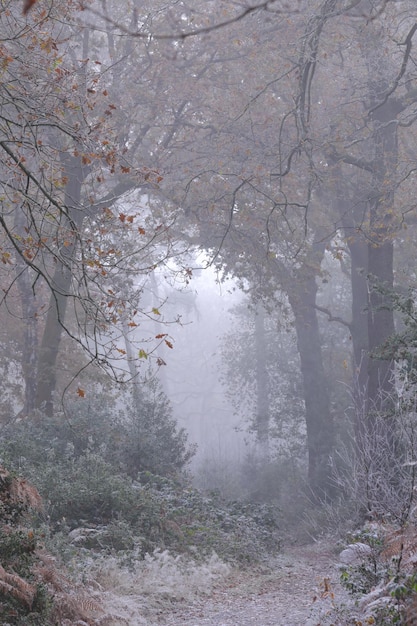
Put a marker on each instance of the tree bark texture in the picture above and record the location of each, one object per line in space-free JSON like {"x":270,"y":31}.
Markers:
{"x":61,"y":291}
{"x":320,"y":435}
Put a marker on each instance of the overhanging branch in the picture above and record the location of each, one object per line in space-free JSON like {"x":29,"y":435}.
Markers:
{"x":333,"y":318}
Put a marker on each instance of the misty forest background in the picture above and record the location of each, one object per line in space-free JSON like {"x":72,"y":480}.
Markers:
{"x":207,"y":274}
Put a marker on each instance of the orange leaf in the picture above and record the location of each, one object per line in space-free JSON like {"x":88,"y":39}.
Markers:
{"x":169,"y":344}
{"x":28,"y":5}
{"x":81,"y":392}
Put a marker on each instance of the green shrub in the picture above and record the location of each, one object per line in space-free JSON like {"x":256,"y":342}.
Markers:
{"x":143,"y":436}
{"x":236,"y":531}
{"x":93,"y":474}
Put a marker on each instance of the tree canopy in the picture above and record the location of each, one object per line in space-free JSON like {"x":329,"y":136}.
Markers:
{"x":270,"y":136}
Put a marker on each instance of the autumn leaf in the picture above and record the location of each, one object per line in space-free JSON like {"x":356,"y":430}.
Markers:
{"x":80,"y":392}
{"x":5,"y":258}
{"x":143,"y":354}
{"x":141,"y":231}
{"x":28,"y":5}
{"x":160,"y":336}
{"x":169,"y":344}
{"x":155,"y":311}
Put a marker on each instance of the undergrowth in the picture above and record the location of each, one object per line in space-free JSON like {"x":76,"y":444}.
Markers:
{"x":83,"y":520}
{"x":161,"y":574}
{"x":84,"y":486}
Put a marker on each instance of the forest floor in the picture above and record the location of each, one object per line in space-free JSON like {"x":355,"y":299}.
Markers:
{"x":299,"y":587}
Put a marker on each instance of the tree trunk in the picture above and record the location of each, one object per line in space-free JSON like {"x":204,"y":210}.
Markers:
{"x":380,"y":327}
{"x":24,"y":282}
{"x":61,"y":286}
{"x":30,"y":342}
{"x":382,"y":228}
{"x":359,"y":330}
{"x":262,"y":391}
{"x":320,"y":432}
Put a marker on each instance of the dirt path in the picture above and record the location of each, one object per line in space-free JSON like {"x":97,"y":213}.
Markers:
{"x":299,"y":591}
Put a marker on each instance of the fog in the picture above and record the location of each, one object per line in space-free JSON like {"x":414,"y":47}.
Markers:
{"x":191,"y":376}
{"x":272,"y":142}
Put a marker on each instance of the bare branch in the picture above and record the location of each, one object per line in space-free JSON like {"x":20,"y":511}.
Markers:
{"x":333,"y":318}
{"x":264,"y":6}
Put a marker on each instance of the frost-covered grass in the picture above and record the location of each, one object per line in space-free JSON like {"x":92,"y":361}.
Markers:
{"x":134,"y":594}
{"x":160,"y":575}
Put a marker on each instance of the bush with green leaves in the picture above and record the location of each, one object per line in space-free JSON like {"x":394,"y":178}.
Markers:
{"x":135,"y":432}
{"x":385,"y":591}
{"x":236,"y":531}
{"x":366,"y":569}
{"x":118,"y":474}
{"x":121,"y":514}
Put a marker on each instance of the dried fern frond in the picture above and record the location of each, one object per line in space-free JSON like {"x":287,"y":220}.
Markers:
{"x":22,"y":492}
{"x":18,"y":491}
{"x":411,"y":611}
{"x":47,"y":572}
{"x":77,"y":605}
{"x":401,"y":543}
{"x":73,"y":605}
{"x":14,"y":585}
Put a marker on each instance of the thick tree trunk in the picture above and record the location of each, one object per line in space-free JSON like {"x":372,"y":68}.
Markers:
{"x":382,"y":228}
{"x":61,"y":285}
{"x":49,"y":348}
{"x":30,"y":342}
{"x":359,"y":284}
{"x":320,"y":432}
{"x":359,"y":330}
{"x":380,"y":327}
{"x":24,"y":281}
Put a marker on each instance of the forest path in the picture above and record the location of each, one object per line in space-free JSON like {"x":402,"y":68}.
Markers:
{"x":300,"y":590}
